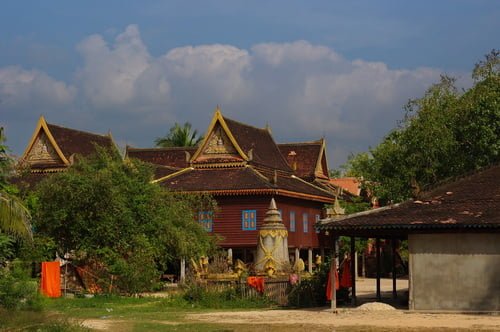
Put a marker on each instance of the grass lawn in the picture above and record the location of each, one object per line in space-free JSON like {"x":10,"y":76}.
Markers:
{"x":112,"y":313}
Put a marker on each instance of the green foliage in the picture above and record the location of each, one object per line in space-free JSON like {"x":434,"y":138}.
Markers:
{"x":111,"y":216}
{"x":443,"y":134}
{"x":310,"y":292}
{"x":179,"y":136}
{"x":14,"y":217}
{"x":17,"y":289}
{"x":201,"y":296}
{"x":6,"y":248}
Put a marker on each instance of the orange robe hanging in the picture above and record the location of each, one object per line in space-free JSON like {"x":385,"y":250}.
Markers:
{"x":50,"y":285}
{"x":257,"y":283}
{"x":345,"y":279}
{"x":329,"y":285}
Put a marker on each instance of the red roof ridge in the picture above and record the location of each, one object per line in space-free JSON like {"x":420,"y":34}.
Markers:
{"x":244,"y":124}
{"x":303,"y":143}
{"x":128,"y":147}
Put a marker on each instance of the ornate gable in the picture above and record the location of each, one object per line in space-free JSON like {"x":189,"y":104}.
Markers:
{"x":43,"y":149}
{"x":219,"y":146}
{"x":43,"y":152}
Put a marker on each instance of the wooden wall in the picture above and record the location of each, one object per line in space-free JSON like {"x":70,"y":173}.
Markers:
{"x":227,"y":220}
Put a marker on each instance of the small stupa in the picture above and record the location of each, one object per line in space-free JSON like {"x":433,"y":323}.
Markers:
{"x":272,"y":244}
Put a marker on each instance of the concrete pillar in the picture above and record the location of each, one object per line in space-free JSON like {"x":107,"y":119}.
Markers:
{"x":379,"y":263}
{"x":394,"y":289}
{"x":333,"y":269}
{"x":297,"y":254}
{"x":183,"y":270}
{"x":310,"y":260}
{"x":353,"y":269}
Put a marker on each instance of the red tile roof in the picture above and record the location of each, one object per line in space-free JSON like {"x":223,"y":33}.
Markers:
{"x":241,"y":180}
{"x":304,"y":156}
{"x":471,"y":202}
{"x":173,"y":156}
{"x":72,"y":141}
{"x":265,"y":152}
{"x":350,"y":184}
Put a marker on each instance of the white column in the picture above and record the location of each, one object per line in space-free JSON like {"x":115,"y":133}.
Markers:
{"x":297,"y":254}
{"x":310,"y":260}
{"x":183,"y":270}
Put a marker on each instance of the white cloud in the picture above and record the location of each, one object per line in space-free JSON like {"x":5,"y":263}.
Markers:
{"x":111,"y":75}
{"x":303,"y":91}
{"x":22,"y":89}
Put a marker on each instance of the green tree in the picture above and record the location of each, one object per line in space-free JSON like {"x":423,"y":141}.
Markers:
{"x":112,"y":217}
{"x":179,"y":136}
{"x":443,"y":134}
{"x":14,"y":217}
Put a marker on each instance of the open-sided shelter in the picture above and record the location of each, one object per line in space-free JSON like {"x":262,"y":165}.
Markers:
{"x":453,"y":236}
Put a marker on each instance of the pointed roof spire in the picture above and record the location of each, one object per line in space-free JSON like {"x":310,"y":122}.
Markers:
{"x":273,"y":216}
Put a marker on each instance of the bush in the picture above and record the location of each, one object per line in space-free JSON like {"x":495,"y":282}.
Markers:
{"x":203,"y":296}
{"x":17,"y":289}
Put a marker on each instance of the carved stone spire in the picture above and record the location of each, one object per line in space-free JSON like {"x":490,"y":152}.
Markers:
{"x":273,"y":215}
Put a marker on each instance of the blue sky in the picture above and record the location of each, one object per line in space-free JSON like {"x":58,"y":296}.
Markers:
{"x":339,"y":69}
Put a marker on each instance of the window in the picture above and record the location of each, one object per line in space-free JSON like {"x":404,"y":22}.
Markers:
{"x":249,"y":220}
{"x":317,"y":223}
{"x":305,"y":222}
{"x":205,"y":219}
{"x":292,"y":221}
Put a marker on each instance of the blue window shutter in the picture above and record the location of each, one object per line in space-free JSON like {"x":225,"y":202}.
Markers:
{"x":249,"y":220}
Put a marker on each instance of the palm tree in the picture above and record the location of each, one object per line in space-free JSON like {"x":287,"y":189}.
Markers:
{"x":179,"y":136}
{"x":14,"y":216}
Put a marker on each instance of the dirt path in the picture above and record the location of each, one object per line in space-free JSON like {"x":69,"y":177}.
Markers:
{"x":352,"y":317}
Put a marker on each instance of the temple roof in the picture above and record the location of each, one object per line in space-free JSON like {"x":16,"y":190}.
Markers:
{"x":72,"y":141}
{"x":265,"y":152}
{"x":52,"y":147}
{"x":241,"y":180}
{"x":470,"y":202}
{"x":308,"y":159}
{"x":235,"y":158}
{"x":349,"y":184}
{"x":172,"y":156}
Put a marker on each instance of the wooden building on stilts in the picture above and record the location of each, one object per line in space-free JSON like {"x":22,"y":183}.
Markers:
{"x":242,"y":167}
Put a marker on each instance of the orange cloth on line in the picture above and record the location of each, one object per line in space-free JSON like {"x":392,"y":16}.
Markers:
{"x":345,"y":279}
{"x":50,"y":285}
{"x":329,"y":285}
{"x":257,"y":283}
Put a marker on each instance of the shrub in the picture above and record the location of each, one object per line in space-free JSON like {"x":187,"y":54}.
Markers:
{"x":17,"y":289}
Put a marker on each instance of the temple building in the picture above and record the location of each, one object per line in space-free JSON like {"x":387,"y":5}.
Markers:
{"x":243,"y":168}
{"x":54,"y":148}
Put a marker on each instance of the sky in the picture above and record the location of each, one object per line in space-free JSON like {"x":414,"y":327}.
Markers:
{"x":342,"y":70}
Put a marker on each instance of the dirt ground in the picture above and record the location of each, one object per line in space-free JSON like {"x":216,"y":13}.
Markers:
{"x":351,"y":317}
{"x":323,"y":318}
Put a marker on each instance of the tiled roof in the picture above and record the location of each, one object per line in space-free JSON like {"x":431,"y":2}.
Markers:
{"x":264,"y":150}
{"x":241,"y":180}
{"x":72,"y":141}
{"x":304,"y":156}
{"x":471,"y":202}
{"x":174,"y":156}
{"x":350,"y":184}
